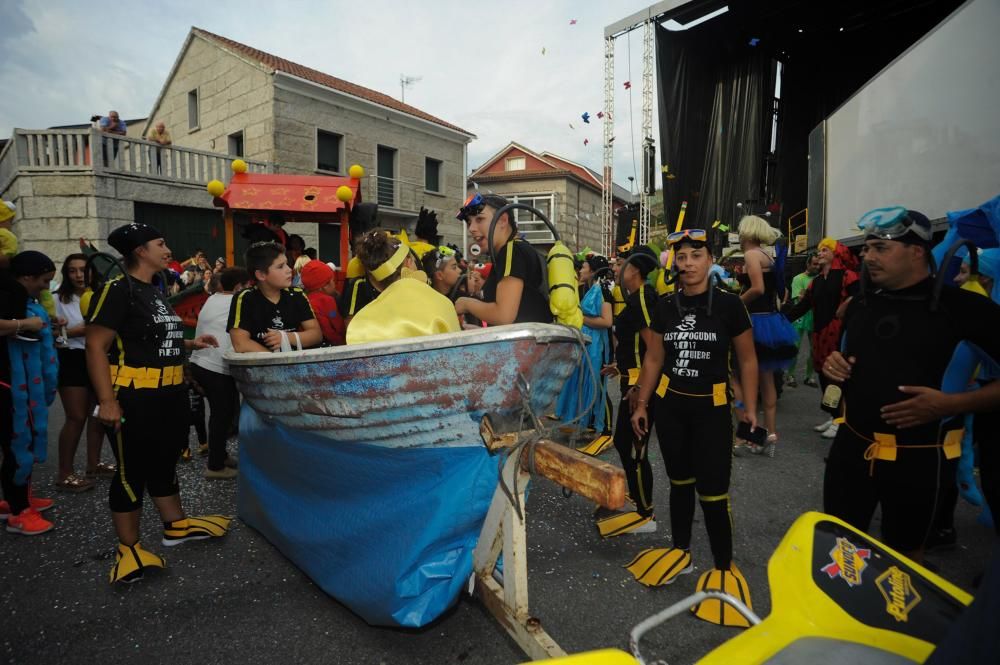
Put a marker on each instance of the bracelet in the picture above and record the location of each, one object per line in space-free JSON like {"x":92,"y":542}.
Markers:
{"x":18,"y":323}
{"x":739,"y":405}
{"x":642,"y":401}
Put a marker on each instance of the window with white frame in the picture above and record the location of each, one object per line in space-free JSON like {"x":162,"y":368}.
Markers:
{"x":515,"y":164}
{"x":534,"y":229}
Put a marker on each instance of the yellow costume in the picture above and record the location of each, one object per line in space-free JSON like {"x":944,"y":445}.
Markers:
{"x":407,"y":308}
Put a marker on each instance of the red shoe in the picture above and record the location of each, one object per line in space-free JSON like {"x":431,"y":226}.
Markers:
{"x":38,"y":503}
{"x":28,"y":523}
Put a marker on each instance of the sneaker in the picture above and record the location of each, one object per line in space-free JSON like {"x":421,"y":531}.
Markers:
{"x":225,"y":473}
{"x":38,"y":504}
{"x":822,"y":427}
{"x":831,"y":432}
{"x":186,"y":455}
{"x":28,"y":523}
{"x":202,"y":450}
{"x":811,"y":382}
{"x":791,"y":382}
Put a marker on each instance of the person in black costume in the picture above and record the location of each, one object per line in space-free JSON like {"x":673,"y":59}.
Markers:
{"x":900,"y":439}
{"x":689,"y":370}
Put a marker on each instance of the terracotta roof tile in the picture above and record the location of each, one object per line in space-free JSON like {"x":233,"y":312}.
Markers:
{"x":273,"y":62}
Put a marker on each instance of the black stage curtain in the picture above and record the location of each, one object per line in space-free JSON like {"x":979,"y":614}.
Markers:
{"x":716,"y":89}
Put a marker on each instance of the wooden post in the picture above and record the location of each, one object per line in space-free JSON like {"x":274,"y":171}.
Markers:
{"x":230,"y":244}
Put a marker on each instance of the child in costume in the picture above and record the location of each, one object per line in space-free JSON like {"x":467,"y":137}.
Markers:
{"x":33,"y":378}
{"x":317,"y":280}
{"x":404,"y":307}
{"x":272,"y":315}
{"x":689,"y":370}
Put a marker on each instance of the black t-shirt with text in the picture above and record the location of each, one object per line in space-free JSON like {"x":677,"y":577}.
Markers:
{"x":150,"y":334}
{"x":638,"y":314}
{"x":519,"y":259}
{"x":253,"y":312}
{"x":697,"y":345}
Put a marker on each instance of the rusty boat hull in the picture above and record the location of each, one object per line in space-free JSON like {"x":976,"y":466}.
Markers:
{"x":424,"y":392}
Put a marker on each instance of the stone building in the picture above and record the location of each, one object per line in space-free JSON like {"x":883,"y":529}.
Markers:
{"x":223,"y":99}
{"x":567,"y":192}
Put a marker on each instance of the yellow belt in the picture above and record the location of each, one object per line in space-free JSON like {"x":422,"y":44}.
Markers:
{"x":883,"y":447}
{"x":718,"y":394}
{"x":146,"y":377}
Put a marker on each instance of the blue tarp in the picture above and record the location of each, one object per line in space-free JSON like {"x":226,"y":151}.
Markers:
{"x":388,"y":532}
{"x":579,"y":392}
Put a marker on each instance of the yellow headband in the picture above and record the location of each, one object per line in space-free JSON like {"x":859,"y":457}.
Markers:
{"x":829,"y":243}
{"x":391,"y":264}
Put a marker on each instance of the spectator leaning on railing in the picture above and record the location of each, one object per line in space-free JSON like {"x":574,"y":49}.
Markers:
{"x":111,"y":124}
{"x":159,"y":135}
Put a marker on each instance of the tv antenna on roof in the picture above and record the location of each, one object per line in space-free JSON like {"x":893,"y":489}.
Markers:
{"x":405,"y":82}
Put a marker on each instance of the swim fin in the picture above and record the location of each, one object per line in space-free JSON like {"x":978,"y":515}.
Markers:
{"x":195,"y":528}
{"x":621,"y":523}
{"x":660,"y":566}
{"x":131,"y":561}
{"x":714,"y":610}
{"x":598,"y":445}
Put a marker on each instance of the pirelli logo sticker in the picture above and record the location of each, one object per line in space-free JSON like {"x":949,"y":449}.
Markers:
{"x":897,"y":589}
{"x":848,"y":562}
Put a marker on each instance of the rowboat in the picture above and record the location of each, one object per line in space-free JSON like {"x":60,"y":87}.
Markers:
{"x":365,"y":466}
{"x":425,"y":392}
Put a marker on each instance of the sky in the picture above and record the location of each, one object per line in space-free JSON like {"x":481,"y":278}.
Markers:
{"x":481,"y":64}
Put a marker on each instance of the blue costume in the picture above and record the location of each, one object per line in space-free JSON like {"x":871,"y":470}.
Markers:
{"x":34,"y":370}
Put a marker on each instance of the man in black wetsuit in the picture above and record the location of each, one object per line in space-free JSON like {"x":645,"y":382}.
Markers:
{"x":901,"y":439}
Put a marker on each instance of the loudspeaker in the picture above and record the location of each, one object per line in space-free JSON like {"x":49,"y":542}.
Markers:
{"x":628,"y":221}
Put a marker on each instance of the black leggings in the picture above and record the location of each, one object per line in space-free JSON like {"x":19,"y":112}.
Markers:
{"x":15,"y":495}
{"x":148,"y":445}
{"x":224,"y":404}
{"x":635,"y":462}
{"x":908,"y":489}
{"x":987,"y":430}
{"x":196,"y":406}
{"x":696,"y":439}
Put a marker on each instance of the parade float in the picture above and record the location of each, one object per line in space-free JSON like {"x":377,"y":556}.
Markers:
{"x":394,"y":473}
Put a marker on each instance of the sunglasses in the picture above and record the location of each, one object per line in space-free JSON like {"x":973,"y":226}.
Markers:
{"x":698,"y":235}
{"x":472,"y":207}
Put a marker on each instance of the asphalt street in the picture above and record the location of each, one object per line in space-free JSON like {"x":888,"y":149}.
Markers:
{"x":239,"y":600}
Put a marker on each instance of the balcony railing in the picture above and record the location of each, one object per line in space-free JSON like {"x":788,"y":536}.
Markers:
{"x":88,"y":149}
{"x":394,"y":193}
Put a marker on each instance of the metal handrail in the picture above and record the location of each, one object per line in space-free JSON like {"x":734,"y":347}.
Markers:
{"x":804,"y":224}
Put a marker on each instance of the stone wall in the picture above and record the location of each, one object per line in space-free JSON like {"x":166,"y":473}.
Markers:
{"x":298,"y":117}
{"x":55,"y":210}
{"x":233,"y":96}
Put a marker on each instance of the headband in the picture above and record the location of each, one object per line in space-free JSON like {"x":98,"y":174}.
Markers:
{"x":391,"y":264}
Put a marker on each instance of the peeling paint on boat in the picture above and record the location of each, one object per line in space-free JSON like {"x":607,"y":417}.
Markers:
{"x":424,"y":392}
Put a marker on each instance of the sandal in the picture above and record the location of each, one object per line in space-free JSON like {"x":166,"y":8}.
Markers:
{"x":74,"y":483}
{"x":102,"y":470}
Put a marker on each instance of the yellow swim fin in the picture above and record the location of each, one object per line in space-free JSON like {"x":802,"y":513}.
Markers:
{"x":621,"y":523}
{"x":195,"y":528}
{"x":131,"y":561}
{"x":598,"y":445}
{"x":660,"y":566}
{"x":714,"y":610}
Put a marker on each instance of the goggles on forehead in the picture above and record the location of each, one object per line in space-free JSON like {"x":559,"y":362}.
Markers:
{"x":444,"y":254}
{"x":893,"y":223}
{"x":472,"y":207}
{"x":697,"y":235}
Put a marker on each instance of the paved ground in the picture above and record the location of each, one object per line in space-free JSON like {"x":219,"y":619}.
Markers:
{"x":239,"y":600}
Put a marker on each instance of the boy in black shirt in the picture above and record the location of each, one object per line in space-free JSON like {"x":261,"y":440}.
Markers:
{"x":271,"y":312}
{"x":511,"y":293}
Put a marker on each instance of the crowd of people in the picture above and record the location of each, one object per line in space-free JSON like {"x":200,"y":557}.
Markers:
{"x":692,"y":347}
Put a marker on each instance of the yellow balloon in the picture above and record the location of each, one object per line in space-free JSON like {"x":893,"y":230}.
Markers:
{"x":345,"y":193}
{"x":216,"y":188}
{"x":356,"y":171}
{"x":239,"y":166}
